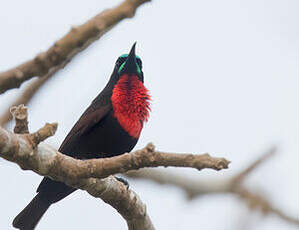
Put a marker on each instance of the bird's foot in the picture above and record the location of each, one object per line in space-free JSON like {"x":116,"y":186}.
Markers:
{"x":122,"y":180}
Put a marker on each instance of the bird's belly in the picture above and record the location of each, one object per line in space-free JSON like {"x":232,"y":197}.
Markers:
{"x":106,"y":139}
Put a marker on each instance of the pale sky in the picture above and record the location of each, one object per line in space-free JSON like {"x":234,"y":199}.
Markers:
{"x":223,"y":76}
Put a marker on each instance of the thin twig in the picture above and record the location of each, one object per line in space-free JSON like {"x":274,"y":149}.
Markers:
{"x":20,"y":114}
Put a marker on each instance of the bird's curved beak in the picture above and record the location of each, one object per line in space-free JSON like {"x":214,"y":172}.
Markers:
{"x":131,"y":66}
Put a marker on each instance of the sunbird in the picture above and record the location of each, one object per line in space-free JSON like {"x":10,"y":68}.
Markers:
{"x":110,"y":126}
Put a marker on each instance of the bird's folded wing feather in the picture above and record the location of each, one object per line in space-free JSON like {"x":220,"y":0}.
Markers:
{"x":91,"y":117}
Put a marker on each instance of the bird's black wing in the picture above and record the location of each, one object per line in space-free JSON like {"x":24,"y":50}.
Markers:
{"x":92,"y":116}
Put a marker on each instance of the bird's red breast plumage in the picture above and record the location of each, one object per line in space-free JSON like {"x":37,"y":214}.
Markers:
{"x":131,"y":106}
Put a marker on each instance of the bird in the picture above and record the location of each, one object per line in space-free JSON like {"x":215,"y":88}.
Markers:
{"x":110,"y":126}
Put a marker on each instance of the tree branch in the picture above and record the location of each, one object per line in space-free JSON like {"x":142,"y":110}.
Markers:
{"x":36,"y":84}
{"x":31,"y":89}
{"x":111,"y":191}
{"x":63,"y":50}
{"x":124,"y":200}
{"x":240,"y":177}
{"x":20,"y":114}
{"x":27,"y":151}
{"x":234,"y":185}
{"x":44,"y":160}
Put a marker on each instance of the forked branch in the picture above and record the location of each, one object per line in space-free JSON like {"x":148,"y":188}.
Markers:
{"x":94,"y":175}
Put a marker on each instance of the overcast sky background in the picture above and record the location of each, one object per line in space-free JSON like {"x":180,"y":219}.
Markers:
{"x":223,"y":77}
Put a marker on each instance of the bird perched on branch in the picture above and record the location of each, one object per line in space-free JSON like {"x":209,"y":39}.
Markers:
{"x":110,"y":126}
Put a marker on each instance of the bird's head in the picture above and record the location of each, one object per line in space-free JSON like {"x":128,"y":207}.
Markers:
{"x":130,"y":98}
{"x":129,"y":64}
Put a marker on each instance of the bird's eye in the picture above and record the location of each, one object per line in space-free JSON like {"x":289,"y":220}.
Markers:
{"x":120,"y":63}
{"x":139,"y":66}
{"x":121,"y":67}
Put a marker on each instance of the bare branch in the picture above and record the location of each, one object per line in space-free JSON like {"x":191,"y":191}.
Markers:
{"x":234,"y":185}
{"x":20,"y":114}
{"x":49,"y":162}
{"x":111,"y":191}
{"x":260,"y":202}
{"x":193,"y":187}
{"x":42,"y":134}
{"x":239,"y":178}
{"x":63,"y":50}
{"x":36,"y":84}
{"x":28,"y":93}
{"x":27,"y":151}
{"x":124,"y":200}
{"x":53,"y":162}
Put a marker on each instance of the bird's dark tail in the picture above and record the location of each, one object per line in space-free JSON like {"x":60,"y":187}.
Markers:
{"x":32,"y":213}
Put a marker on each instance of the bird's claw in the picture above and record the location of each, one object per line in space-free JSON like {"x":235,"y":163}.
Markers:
{"x":124,"y":181}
